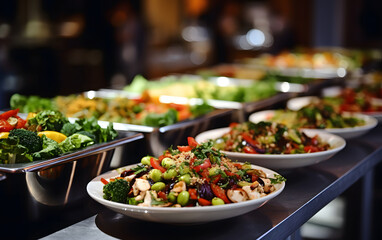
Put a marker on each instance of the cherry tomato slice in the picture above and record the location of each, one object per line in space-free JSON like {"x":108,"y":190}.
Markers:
{"x":184,"y":148}
{"x":205,"y":165}
{"x":248,"y":149}
{"x":162,"y":195}
{"x":193,"y":193}
{"x":192,"y":142}
{"x":155,"y":164}
{"x":219,"y":192}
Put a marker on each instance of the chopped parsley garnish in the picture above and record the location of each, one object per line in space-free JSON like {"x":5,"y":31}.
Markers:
{"x":138,"y":169}
{"x":278,"y":179}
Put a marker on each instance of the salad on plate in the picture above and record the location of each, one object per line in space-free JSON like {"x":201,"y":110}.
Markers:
{"x":268,"y":138}
{"x":189,"y":176}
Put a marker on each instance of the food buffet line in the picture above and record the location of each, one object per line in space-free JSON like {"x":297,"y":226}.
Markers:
{"x":258,"y":146}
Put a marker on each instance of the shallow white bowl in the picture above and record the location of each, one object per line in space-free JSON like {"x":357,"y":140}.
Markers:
{"x":347,"y":133}
{"x":299,"y":102}
{"x":186,"y":215}
{"x":282,"y":161}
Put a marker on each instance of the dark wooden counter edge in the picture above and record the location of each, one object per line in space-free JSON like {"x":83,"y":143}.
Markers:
{"x":299,"y":217}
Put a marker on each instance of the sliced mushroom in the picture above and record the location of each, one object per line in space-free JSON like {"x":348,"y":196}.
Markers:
{"x":237,"y":195}
{"x":179,"y":187}
{"x":140,"y":196}
{"x":252,"y":194}
{"x":130,"y":177}
{"x":147,"y":201}
{"x":140,"y":185}
{"x":268,"y":187}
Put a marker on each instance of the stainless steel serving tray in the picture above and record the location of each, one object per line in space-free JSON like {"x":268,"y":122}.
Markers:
{"x":50,"y":194}
{"x":158,"y":139}
{"x":242,"y":109}
{"x":122,"y":139}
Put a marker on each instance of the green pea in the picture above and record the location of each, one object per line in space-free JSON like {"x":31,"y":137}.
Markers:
{"x":155,"y":175}
{"x":186,"y":178}
{"x":158,"y":186}
{"x":171,"y":197}
{"x":167,"y":162}
{"x":183,"y":198}
{"x":169,"y":174}
{"x":146,"y":160}
{"x":217,"y":201}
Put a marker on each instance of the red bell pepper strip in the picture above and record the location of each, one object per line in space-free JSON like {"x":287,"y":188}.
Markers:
{"x":104,"y":181}
{"x":5,"y":126}
{"x":249,"y":139}
{"x":20,"y":122}
{"x":8,"y":114}
{"x":204,"y":202}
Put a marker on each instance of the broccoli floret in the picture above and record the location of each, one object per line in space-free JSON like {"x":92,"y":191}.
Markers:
{"x":50,"y":149}
{"x":116,"y":191}
{"x":70,"y":128}
{"x":28,"y":139}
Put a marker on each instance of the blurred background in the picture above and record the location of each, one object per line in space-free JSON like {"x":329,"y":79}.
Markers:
{"x":62,"y":47}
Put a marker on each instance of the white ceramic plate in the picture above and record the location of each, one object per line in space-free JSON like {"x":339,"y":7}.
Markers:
{"x":299,"y":102}
{"x":187,"y":215}
{"x":282,"y":161}
{"x":346,"y":133}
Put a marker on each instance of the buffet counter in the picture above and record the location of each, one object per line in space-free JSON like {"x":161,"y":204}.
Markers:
{"x":307,"y":190}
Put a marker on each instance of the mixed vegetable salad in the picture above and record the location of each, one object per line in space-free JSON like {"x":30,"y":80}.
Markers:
{"x":132,"y":111}
{"x":193,"y":175}
{"x":362,"y":99}
{"x":317,"y":115}
{"x":46,"y":134}
{"x":268,"y":138}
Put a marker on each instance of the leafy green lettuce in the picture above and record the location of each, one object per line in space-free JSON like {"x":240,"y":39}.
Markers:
{"x":75,"y":142}
{"x":12,"y":152}
{"x":161,"y":119}
{"x":50,"y":149}
{"x":48,"y":120}
{"x":91,"y":126}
